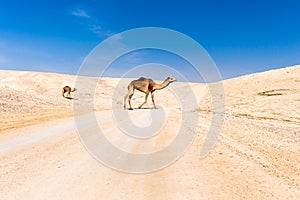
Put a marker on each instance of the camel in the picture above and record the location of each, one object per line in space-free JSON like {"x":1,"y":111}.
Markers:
{"x":147,"y":86}
{"x":68,"y":90}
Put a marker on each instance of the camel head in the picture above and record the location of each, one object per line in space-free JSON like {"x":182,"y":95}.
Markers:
{"x":171,"y":79}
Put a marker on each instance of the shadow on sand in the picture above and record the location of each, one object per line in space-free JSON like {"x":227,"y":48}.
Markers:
{"x":146,"y":108}
{"x":71,"y":98}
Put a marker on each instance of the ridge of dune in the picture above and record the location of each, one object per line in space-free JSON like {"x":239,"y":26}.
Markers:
{"x":32,"y":97}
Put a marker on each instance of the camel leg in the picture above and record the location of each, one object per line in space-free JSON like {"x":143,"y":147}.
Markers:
{"x":125,"y":97}
{"x":129,"y":94}
{"x":146,"y":97}
{"x":152,"y":95}
{"x":129,"y":101}
{"x":63,"y":93}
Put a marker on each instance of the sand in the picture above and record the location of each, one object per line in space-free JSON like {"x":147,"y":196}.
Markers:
{"x":256,"y":155}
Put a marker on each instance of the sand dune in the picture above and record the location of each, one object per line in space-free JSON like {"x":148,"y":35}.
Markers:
{"x":256,"y":155}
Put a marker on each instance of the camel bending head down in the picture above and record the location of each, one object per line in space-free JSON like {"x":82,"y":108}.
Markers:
{"x":68,"y":90}
{"x":147,"y":86}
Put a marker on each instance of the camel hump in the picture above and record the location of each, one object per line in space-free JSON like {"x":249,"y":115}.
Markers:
{"x":141,"y":79}
{"x":66,"y":87}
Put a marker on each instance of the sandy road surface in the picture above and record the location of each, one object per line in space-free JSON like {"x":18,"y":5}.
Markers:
{"x":48,"y":161}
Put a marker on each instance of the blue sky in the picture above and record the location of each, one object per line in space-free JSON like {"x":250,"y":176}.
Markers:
{"x":242,"y":37}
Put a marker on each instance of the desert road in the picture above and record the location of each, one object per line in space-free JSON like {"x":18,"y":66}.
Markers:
{"x":48,"y":161}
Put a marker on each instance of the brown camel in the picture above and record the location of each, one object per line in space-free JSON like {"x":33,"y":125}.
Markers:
{"x":68,"y":90}
{"x":147,"y":86}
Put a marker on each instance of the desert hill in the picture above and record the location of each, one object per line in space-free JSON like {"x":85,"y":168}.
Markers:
{"x":256,"y":155}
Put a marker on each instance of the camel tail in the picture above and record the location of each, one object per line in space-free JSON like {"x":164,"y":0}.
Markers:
{"x":74,"y":89}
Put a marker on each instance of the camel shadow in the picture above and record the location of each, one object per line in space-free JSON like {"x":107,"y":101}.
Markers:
{"x":71,"y":98}
{"x":143,"y":108}
{"x":146,"y":108}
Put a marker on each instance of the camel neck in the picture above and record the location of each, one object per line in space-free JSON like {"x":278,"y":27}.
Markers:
{"x":162,"y":85}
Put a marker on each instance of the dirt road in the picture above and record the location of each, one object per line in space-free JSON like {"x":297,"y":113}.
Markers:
{"x":47,"y":161}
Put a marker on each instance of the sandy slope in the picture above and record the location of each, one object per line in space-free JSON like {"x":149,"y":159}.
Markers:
{"x":256,"y":155}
